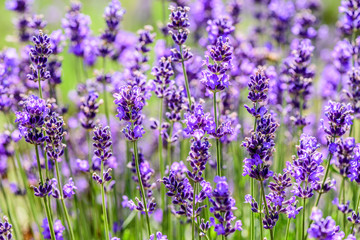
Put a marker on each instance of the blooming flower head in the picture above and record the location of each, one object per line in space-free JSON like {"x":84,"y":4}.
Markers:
{"x":69,"y":188}
{"x":158,"y":236}
{"x":339,"y":117}
{"x":39,"y":55}
{"x":32,"y":118}
{"x":223,"y":205}
{"x":58,"y":229}
{"x":5,"y":229}
{"x":323,"y":229}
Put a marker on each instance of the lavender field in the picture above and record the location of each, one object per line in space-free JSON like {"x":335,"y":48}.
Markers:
{"x":180,"y":119}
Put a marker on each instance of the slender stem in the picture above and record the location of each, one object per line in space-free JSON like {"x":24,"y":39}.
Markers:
{"x":193,"y":213}
{"x":107,"y":234}
{"x":287,"y":228}
{"x":252,"y":219}
{"x":141,"y":186}
{"x":160,"y":151}
{"x":322,"y":185}
{"x":218,"y":148}
{"x":63,"y":201}
{"x":343,"y":201}
{"x":105,"y":96}
{"x":48,"y":214}
{"x":169,"y":161}
{"x":40,"y":89}
{"x":39,"y":164}
{"x":303,"y":219}
{"x":323,"y":182}
{"x":260,"y":216}
{"x":266,"y":207}
{"x":185,"y":76}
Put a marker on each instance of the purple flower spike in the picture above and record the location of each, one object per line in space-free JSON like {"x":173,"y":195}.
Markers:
{"x":339,"y":117}
{"x":5,"y":229}
{"x":324,"y":229}
{"x":69,"y":188}
{"x":39,"y":55}
{"x":58,"y":229}
{"x":32,"y":119}
{"x":215,"y":77}
{"x":223,"y":206}
{"x":159,"y":236}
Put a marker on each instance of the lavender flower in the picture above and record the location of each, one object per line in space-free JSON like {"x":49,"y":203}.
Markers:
{"x":77,"y":29}
{"x":5,"y":229}
{"x":342,"y":54}
{"x":198,"y":157}
{"x":300,"y":73}
{"x":89,"y":108}
{"x":146,"y":173}
{"x":179,"y":24}
{"x":181,"y":192}
{"x":69,"y":188}
{"x":113,"y":15}
{"x":159,"y":236}
{"x":219,"y":27}
{"x":130,"y":103}
{"x":281,"y":13}
{"x":306,"y":169}
{"x":304,"y":25}
{"x":323,"y":229}
{"x":32,"y":119}
{"x":44,"y":189}
{"x":162,"y":74}
{"x":350,"y":20}
{"x":39,"y":55}
{"x":223,"y":206}
{"x":20,"y":6}
{"x":54,"y":129}
{"x":215,"y":77}
{"x":339,"y":119}
{"x":58,"y":229}
{"x":354,"y":91}
{"x":354,"y":168}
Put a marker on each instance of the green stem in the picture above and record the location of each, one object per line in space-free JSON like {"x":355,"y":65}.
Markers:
{"x":40,"y":89}
{"x":160,"y":151}
{"x":185,"y":76}
{"x":193,"y":213}
{"x":260,"y":216}
{"x":218,"y":148}
{"x":303,"y":219}
{"x":252,"y":219}
{"x":48,"y":214}
{"x":169,"y":161}
{"x":141,"y":186}
{"x":39,"y":164}
{"x":287,"y":228}
{"x":266,"y":207}
{"x":105,"y":97}
{"x":107,"y":234}
{"x":63,"y":201}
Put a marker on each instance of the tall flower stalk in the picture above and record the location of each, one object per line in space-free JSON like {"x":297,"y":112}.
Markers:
{"x":130,"y":104}
{"x":179,"y":31}
{"x":55,"y":149}
{"x":102,"y":143}
{"x":216,"y":79}
{"x":260,"y":144}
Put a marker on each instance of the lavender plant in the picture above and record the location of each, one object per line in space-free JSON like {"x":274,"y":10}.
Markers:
{"x":291,"y":166}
